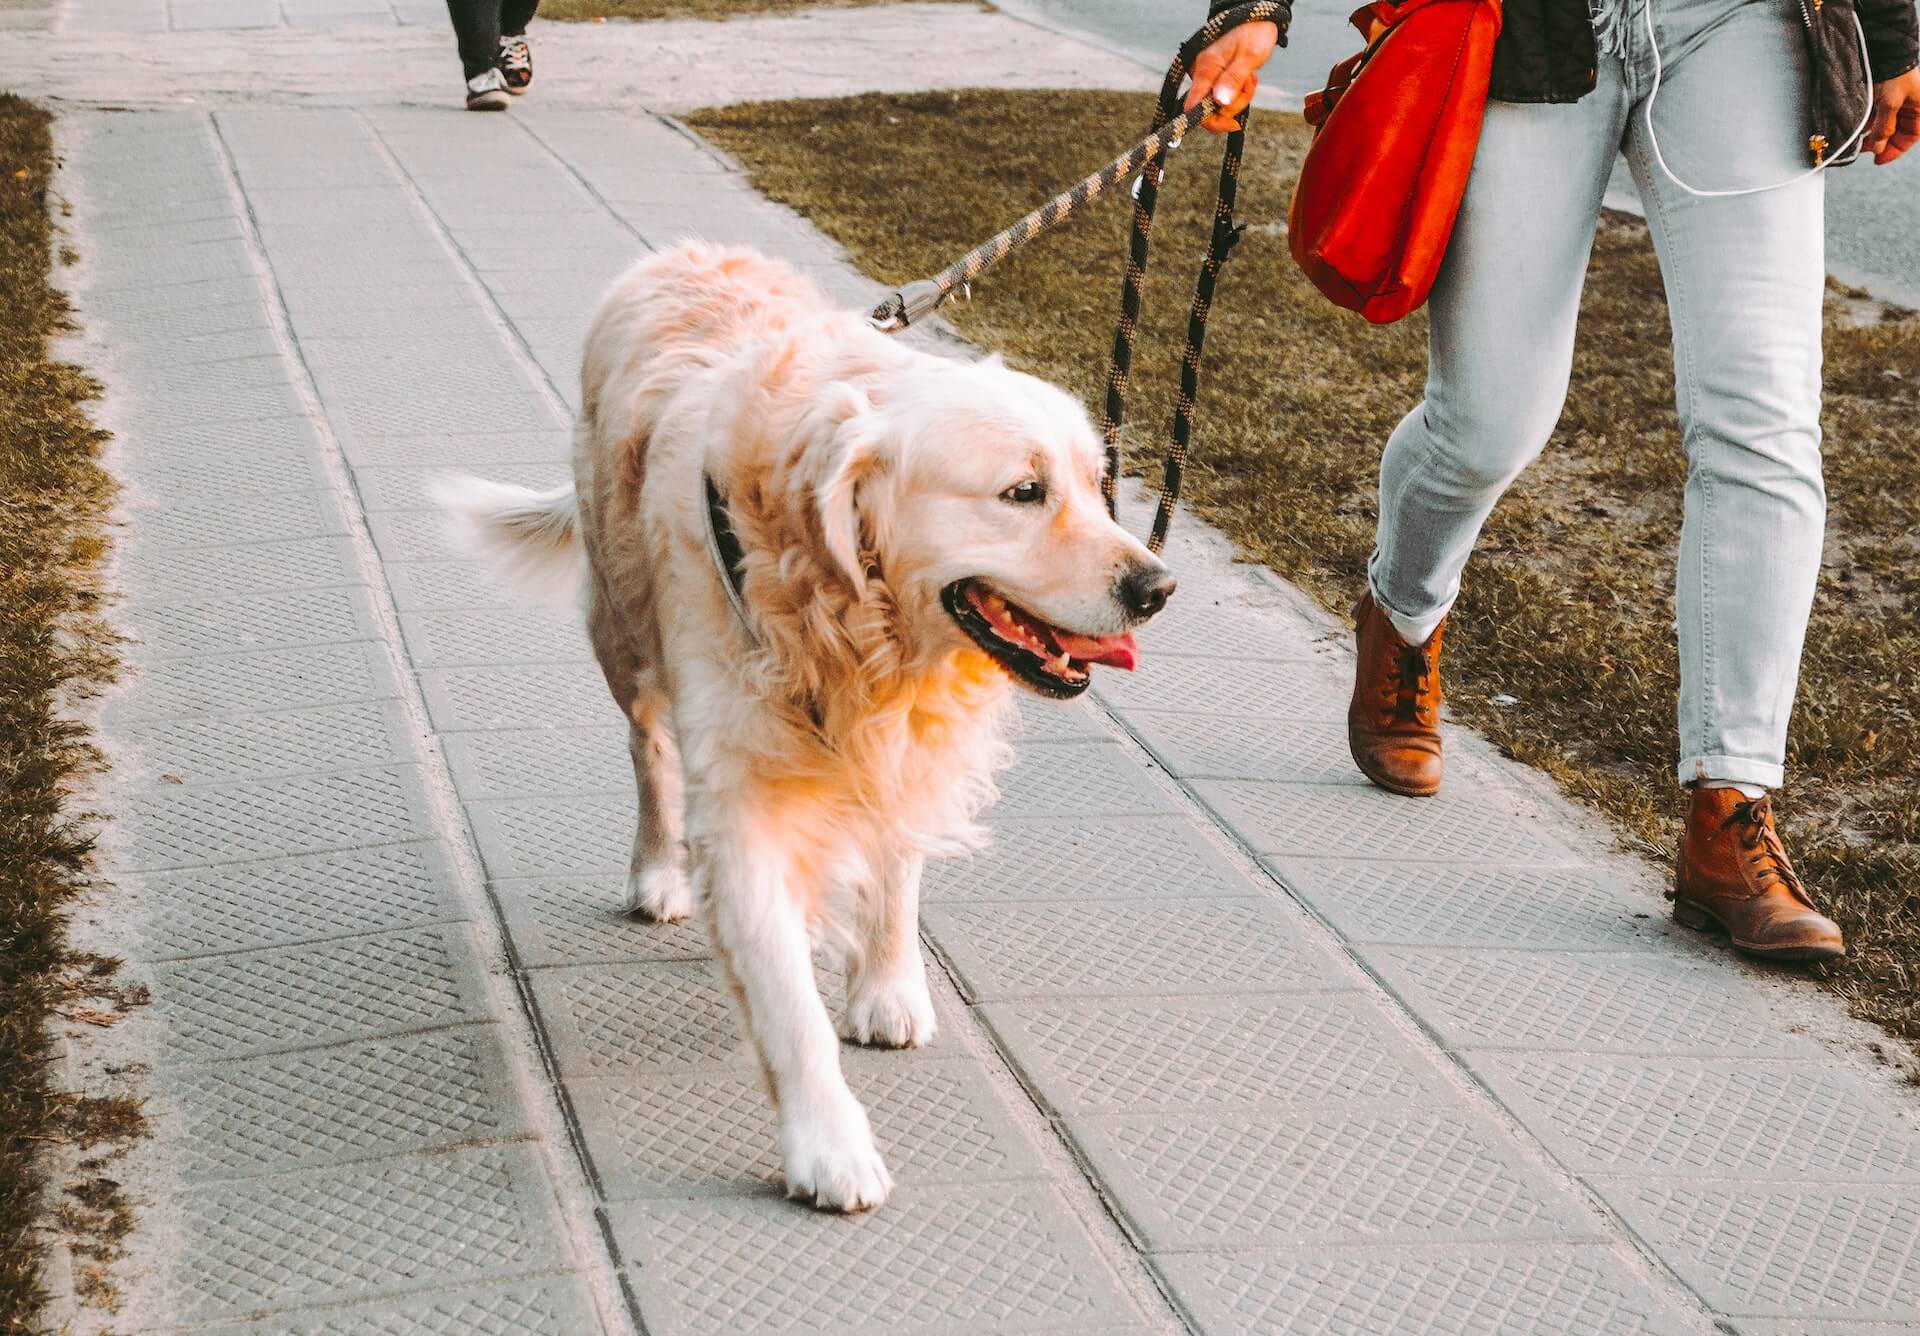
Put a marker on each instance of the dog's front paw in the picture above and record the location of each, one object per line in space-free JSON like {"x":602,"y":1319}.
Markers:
{"x":894,"y":1013}
{"x":660,"y":893}
{"x":830,"y":1159}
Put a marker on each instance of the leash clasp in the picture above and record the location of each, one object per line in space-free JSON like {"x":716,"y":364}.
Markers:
{"x":911,"y":304}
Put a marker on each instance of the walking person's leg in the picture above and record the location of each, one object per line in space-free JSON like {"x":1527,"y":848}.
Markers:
{"x":515,"y":15}
{"x":516,"y":56}
{"x":1500,"y":349}
{"x":476,"y":28}
{"x":1745,"y":277}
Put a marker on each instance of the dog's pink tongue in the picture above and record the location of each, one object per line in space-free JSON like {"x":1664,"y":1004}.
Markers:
{"x":1114,"y":651}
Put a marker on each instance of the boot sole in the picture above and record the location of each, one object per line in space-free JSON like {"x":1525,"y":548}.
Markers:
{"x":1689,"y":915}
{"x":1382,"y":781}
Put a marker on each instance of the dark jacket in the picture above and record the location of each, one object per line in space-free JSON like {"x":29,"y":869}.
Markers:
{"x":1546,"y":53}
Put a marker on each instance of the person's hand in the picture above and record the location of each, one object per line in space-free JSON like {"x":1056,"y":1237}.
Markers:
{"x":1895,"y":125}
{"x":1229,"y":71}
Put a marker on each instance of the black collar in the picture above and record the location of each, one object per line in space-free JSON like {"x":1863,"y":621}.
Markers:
{"x":729,"y":558}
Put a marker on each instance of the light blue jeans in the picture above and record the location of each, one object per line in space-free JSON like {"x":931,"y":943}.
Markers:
{"x":1744,"y":279}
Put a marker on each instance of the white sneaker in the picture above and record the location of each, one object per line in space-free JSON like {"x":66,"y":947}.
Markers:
{"x":487,"y":91}
{"x":516,"y":64}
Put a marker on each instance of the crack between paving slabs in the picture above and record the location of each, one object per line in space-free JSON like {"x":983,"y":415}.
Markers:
{"x":1198,"y":806}
{"x":1000,"y":1071}
{"x":436,"y":778}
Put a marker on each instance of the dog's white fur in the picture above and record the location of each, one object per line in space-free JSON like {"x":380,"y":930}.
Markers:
{"x":795,"y":772}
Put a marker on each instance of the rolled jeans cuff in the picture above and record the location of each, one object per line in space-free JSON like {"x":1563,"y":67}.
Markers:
{"x":1731,"y":770}
{"x":1393,"y":609}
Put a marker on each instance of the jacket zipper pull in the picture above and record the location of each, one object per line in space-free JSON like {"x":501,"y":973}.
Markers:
{"x":1819,"y":146}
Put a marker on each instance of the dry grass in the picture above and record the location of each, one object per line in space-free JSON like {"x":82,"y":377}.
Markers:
{"x":1568,"y":603}
{"x":52,"y":497}
{"x":587,"y":11}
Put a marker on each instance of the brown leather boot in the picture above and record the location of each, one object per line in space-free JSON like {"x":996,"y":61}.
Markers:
{"x":1734,"y":877}
{"x":1393,"y":724}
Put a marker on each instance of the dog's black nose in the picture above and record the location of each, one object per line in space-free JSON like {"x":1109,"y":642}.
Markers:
{"x":1146,"y":589}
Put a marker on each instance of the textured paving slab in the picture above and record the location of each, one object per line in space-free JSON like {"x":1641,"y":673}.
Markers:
{"x":1688,"y":1118}
{"x":509,"y":763}
{"x":1460,"y":1291}
{"x":1205,"y":746}
{"x":1563,"y":908}
{"x":266,"y":622}
{"x":1230,"y":1042}
{"x":573,"y":921}
{"x":1805,"y":1250}
{"x":1238,"y":689}
{"x":225,"y":823}
{"x":713,"y":1132}
{"x":1088,"y":858}
{"x":249,"y":1002}
{"x":360,"y":1101}
{"x":1065,"y":950}
{"x":360,"y":735}
{"x":448,"y":640}
{"x":1373,"y":1174}
{"x":344,"y":1136}
{"x":567,"y":695}
{"x":459,"y":1218}
{"x":281,"y":901}
{"x":537,"y":837}
{"x":1804,"y":1327}
{"x":221,"y":685}
{"x":530,"y":1308}
{"x":1233,"y":1053}
{"x":1370,"y":823}
{"x":960,"y":1261}
{"x":1586,"y":1003}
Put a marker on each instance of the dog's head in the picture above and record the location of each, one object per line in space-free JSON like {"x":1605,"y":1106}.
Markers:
{"x":973,"y":492}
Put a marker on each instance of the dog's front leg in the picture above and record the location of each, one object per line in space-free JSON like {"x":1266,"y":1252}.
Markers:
{"x":887,"y":998}
{"x":760,"y":942}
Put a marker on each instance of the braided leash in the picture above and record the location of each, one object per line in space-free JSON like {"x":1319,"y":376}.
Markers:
{"x":1148,"y":158}
{"x":915,"y":301}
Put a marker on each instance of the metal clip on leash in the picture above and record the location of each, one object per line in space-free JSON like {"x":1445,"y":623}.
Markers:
{"x":1148,"y":158}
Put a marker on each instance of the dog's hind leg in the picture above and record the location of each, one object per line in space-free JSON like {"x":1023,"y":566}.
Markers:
{"x":762,"y":951}
{"x":887,"y":999}
{"x":656,"y":875}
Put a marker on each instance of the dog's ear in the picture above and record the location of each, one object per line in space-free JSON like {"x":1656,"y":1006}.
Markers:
{"x":851,"y":454}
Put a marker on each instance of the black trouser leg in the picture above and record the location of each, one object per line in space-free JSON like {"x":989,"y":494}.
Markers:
{"x":515,"y":14}
{"x":476,"y":26}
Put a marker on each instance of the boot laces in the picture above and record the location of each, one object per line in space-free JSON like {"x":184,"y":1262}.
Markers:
{"x":1405,"y":692}
{"x":1752,"y":821}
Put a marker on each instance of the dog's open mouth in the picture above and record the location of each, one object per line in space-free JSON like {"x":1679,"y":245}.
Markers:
{"x":1046,"y":658}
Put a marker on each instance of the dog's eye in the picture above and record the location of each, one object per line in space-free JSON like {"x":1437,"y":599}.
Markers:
{"x":1025,"y":493}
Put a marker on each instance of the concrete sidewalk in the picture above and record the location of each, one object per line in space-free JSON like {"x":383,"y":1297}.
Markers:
{"x":1231,"y":1042}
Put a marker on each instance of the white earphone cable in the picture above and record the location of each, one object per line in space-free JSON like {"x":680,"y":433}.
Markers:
{"x":1653,"y":140}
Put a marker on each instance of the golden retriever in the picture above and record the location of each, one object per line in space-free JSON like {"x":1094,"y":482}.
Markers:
{"x":815,"y":560}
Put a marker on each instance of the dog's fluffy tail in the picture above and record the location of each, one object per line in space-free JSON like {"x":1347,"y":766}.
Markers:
{"x":532,"y":538}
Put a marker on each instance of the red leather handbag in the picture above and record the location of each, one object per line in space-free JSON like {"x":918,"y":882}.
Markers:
{"x":1395,"y":133}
